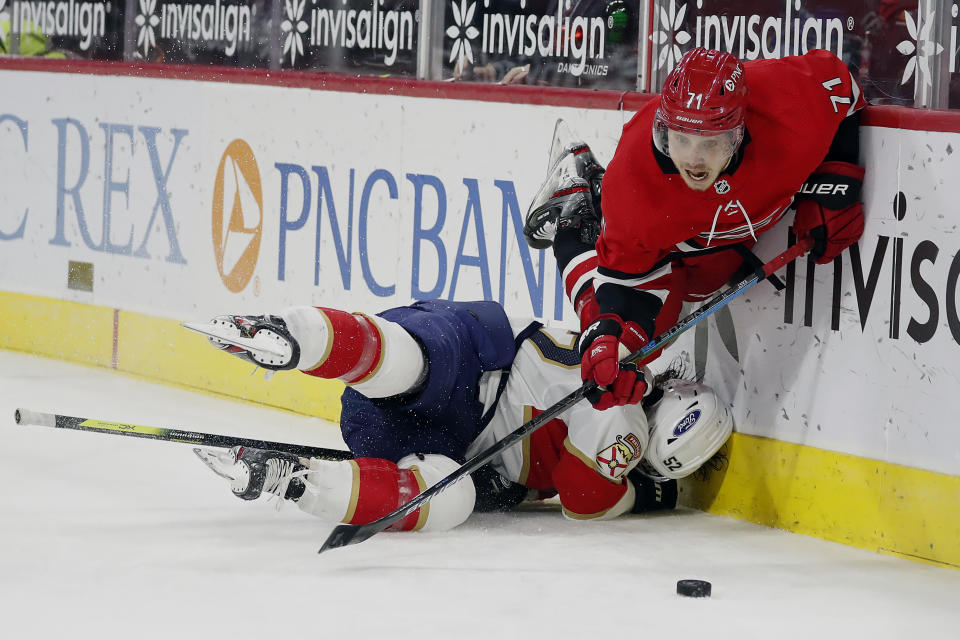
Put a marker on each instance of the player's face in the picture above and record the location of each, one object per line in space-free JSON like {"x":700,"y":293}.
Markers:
{"x":699,"y":158}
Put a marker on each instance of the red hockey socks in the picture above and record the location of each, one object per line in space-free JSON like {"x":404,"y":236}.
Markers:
{"x":364,"y":489}
{"x":375,"y":356}
{"x":381,"y":488}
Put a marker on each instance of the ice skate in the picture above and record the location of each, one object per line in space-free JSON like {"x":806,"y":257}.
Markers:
{"x":261,"y":340}
{"x":570,"y":195}
{"x":253,"y":472}
{"x":569,"y":205}
{"x":566,"y":144}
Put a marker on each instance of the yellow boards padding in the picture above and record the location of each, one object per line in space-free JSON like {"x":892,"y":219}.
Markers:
{"x":163,"y":350}
{"x":855,"y":501}
{"x":157,"y":349}
{"x":56,"y":328}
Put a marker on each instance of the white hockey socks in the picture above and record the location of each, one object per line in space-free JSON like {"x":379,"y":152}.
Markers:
{"x":376,"y":357}
{"x":363,"y":490}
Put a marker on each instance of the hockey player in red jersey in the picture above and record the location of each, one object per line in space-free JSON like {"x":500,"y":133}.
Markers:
{"x":697,"y":176}
{"x":430,"y":385}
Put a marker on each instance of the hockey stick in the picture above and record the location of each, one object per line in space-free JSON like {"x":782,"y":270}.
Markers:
{"x":27,"y":417}
{"x":347,"y":534}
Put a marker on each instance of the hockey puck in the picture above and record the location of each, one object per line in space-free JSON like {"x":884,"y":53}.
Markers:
{"x":694,"y":588}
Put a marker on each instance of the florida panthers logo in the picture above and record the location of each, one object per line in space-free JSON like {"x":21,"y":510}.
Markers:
{"x":613,"y":461}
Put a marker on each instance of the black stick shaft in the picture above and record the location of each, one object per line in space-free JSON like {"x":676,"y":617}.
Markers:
{"x":347,"y":534}
{"x":36,"y":418}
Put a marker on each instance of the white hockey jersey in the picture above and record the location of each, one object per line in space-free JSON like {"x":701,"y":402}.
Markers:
{"x":583,"y":455}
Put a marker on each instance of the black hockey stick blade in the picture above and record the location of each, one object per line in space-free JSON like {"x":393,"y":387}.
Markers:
{"x":196,"y":438}
{"x":348,"y":534}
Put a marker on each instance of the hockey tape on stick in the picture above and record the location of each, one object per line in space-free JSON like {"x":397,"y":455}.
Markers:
{"x":196,"y":438}
{"x":347,"y":534}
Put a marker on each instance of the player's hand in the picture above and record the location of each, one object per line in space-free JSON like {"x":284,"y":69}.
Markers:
{"x":600,"y":345}
{"x":829,"y":211}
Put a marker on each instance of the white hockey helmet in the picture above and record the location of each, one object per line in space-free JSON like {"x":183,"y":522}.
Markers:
{"x":687,"y":426}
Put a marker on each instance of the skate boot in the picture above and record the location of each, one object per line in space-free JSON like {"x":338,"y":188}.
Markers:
{"x":253,"y":472}
{"x":570,"y":194}
{"x":570,"y":205}
{"x":589,"y":169}
{"x":568,"y":147}
{"x":259,"y":471}
{"x":261,"y":340}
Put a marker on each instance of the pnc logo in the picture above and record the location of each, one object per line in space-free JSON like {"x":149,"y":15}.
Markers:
{"x":237,"y":215}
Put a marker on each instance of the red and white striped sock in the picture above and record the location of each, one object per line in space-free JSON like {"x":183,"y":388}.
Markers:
{"x":364,"y":489}
{"x":360,"y":491}
{"x":382,"y":488}
{"x":375,"y":356}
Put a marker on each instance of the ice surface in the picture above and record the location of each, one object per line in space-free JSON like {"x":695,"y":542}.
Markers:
{"x":111,"y":537}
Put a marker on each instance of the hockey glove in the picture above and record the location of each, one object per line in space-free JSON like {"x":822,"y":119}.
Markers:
{"x":494,"y":492}
{"x":652,"y":495}
{"x":599,"y":346}
{"x":829,"y":211}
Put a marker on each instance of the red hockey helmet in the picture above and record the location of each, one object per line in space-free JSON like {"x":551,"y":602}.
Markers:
{"x":705,"y":94}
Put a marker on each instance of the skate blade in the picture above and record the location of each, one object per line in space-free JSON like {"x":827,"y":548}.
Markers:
{"x":213,"y":331}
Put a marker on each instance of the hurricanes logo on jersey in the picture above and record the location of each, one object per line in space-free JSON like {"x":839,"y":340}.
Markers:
{"x":731,"y":208}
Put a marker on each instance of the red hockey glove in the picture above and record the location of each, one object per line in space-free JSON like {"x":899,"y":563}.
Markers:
{"x":829,"y":211}
{"x":619,"y":383}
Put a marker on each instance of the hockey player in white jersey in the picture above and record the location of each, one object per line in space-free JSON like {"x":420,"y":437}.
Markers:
{"x":433,"y":383}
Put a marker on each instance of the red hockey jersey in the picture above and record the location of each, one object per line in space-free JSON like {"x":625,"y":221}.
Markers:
{"x":651,"y":218}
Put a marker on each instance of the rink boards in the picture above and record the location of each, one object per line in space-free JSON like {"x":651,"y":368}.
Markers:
{"x":133,"y":203}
